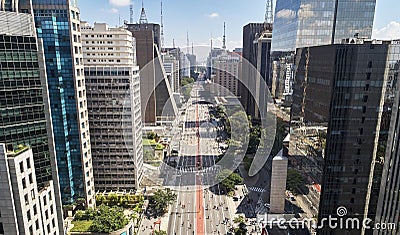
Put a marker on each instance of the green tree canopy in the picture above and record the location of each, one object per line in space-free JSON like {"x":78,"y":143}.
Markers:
{"x":161,"y":199}
{"x":229,"y":179}
{"x":295,"y":181}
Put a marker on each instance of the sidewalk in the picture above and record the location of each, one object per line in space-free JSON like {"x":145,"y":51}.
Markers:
{"x":147,"y":225}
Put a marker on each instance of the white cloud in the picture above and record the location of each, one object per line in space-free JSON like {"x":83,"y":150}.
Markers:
{"x":120,"y":3}
{"x":306,"y":11}
{"x":286,"y":14}
{"x":390,"y":31}
{"x":113,"y":11}
{"x":213,"y":15}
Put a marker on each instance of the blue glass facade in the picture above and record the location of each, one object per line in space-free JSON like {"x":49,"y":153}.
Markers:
{"x":303,"y":23}
{"x":53,"y":26}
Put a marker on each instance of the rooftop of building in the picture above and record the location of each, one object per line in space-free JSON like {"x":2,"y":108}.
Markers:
{"x":17,"y":151}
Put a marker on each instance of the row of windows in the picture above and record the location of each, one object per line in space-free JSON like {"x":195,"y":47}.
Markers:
{"x":99,"y":36}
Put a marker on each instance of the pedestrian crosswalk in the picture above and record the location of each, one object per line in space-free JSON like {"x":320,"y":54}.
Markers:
{"x":261,"y":210}
{"x":256,"y":189}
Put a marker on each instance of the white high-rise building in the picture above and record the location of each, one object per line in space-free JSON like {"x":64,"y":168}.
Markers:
{"x":113,"y":93}
{"x":171,"y":67}
{"x":24,"y":208}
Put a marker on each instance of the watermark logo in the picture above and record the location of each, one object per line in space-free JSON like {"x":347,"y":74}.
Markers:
{"x":340,"y":221}
{"x":341,"y":211}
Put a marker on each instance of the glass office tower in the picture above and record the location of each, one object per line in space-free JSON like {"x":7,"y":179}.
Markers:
{"x":303,"y":23}
{"x":24,"y":102}
{"x":58,"y":24}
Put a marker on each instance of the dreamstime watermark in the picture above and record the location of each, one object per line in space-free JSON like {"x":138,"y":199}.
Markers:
{"x":339,"y":221}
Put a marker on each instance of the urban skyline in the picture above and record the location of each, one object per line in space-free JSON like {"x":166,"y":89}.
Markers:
{"x":211,"y":17}
{"x":114,"y":130}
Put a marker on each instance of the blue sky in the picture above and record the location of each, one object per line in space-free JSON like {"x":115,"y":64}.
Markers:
{"x":203,"y":18}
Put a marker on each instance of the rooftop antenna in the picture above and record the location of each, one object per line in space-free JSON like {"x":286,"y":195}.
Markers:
{"x":173,"y":43}
{"x":187,"y":42}
{"x":192,"y":49}
{"x":162,"y":27}
{"x":143,"y":17}
{"x":224,"y":39}
{"x":211,"y":58}
{"x":131,"y":13}
{"x":269,"y":15}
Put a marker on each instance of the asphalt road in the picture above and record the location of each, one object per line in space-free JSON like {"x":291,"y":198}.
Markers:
{"x":200,"y":207}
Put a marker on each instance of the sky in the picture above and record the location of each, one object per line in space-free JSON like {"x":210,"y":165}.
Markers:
{"x":203,"y":19}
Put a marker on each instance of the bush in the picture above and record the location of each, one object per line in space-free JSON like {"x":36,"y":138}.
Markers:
{"x":125,"y":201}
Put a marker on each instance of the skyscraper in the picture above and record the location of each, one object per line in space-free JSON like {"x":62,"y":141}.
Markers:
{"x":58,"y":25}
{"x":113,"y":94}
{"x":302,"y":23}
{"x":24,"y":102}
{"x":155,"y":91}
{"x":351,"y":87}
{"x":227,"y":69}
{"x":256,"y":65}
{"x":388,"y":209}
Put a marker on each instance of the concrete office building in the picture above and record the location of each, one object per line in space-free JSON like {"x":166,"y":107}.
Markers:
{"x":24,"y":101}
{"x":193,"y":63}
{"x":156,"y":93}
{"x":215,"y":52}
{"x":113,"y":93}
{"x":278,"y":184}
{"x":58,"y":25}
{"x":24,"y":208}
{"x":185,"y":65}
{"x":227,"y":69}
{"x":171,"y":67}
{"x":256,"y":65}
{"x":350,"y":88}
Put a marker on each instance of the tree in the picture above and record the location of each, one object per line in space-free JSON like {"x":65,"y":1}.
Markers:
{"x":186,"y":81}
{"x":295,"y":181}
{"x":161,"y":199}
{"x":229,"y":179}
{"x":161,"y":232}
{"x":241,"y":230}
{"x":239,"y":219}
{"x":108,"y":219}
{"x":152,"y":136}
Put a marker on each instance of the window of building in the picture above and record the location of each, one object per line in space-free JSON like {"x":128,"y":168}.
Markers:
{"x":26,"y":199}
{"x":34,"y":210}
{"x":28,"y":215}
{"x":30,"y":178}
{"x":28,"y":163}
{"x":21,"y":167}
{"x":23,"y":183}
